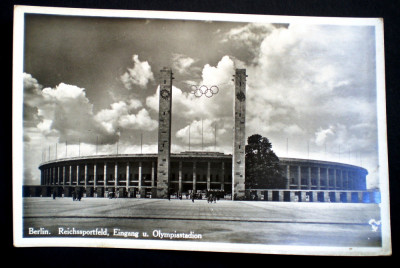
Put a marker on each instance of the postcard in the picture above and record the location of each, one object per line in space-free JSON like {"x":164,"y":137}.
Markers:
{"x":199,"y":132}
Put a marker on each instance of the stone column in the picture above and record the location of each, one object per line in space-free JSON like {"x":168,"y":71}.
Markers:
{"x":180,"y":178}
{"x":281,"y":193}
{"x":327,"y":178}
{"x":86,"y":177}
{"x":140,"y":178}
{"x":319,"y":179}
{"x":309,"y":178}
{"x":292,"y":196}
{"x":152,"y":174}
{"x":164,"y":133}
{"x":105,"y":176}
{"x":315,"y":196}
{"x":116,"y":176}
{"x":70,"y":175}
{"x":77,"y":174}
{"x":94,"y":176}
{"x":302,"y":196}
{"x":58,"y":175}
{"x":208,"y":175}
{"x":337,"y":196}
{"x":299,"y":177}
{"x":127,"y":176}
{"x":287,"y":176}
{"x":194,"y":176}
{"x":63,"y":175}
{"x":348,"y":196}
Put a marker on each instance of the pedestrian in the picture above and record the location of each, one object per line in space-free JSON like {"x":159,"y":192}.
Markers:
{"x":73,"y":195}
{"x":215,"y":199}
{"x":192,"y":197}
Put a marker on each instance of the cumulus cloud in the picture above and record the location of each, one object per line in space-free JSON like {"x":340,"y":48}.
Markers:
{"x":322,"y":134}
{"x":139,"y":75}
{"x":303,"y":75}
{"x":63,"y":112}
{"x":250,"y":35}
{"x":123,"y":115}
{"x":182,"y":63}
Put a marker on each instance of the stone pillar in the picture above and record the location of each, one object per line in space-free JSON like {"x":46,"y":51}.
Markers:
{"x":287,"y":176}
{"x":86,"y":177}
{"x":319,"y":179}
{"x":58,"y":175}
{"x":105,"y":176}
{"x":116,"y":176}
{"x":309,"y":178}
{"x":77,"y":174}
{"x":281,"y":194}
{"x":327,"y":178}
{"x":348,"y":197}
{"x":194,"y":176}
{"x":302,"y":196}
{"x":299,"y":177}
{"x":270,"y":193}
{"x":180,"y":178}
{"x":326,"y":197}
{"x":152,"y":174}
{"x":127,"y":176}
{"x":315,"y":196}
{"x":63,"y":175}
{"x":239,"y":135}
{"x":292,"y":196}
{"x":208,"y":175}
{"x":94,"y":176}
{"x":140,"y":178}
{"x":337,"y":196}
{"x":70,"y":175}
{"x":164,"y":133}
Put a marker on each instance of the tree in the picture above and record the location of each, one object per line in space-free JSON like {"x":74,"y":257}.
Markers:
{"x":262,"y":165}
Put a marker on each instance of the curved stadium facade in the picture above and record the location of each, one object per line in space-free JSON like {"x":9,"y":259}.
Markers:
{"x":135,"y":176}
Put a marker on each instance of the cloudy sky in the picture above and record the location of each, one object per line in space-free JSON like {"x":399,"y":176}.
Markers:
{"x":311,"y":89}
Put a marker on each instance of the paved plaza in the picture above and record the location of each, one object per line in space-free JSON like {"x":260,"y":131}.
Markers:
{"x":269,"y":223}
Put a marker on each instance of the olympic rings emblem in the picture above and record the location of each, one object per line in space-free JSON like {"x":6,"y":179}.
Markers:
{"x":204,"y":90}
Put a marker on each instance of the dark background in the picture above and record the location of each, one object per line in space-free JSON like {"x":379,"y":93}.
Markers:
{"x":93,"y":257}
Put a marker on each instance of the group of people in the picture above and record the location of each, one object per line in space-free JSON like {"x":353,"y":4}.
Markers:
{"x":212,"y":198}
{"x":76,"y":195}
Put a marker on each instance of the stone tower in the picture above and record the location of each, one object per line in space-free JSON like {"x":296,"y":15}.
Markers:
{"x":239,"y":135}
{"x":164,"y":133}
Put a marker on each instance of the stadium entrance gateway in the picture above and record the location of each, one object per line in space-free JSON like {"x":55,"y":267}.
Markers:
{"x":164,"y":136}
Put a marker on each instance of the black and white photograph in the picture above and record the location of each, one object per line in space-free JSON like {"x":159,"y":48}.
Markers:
{"x":194,"y":131}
